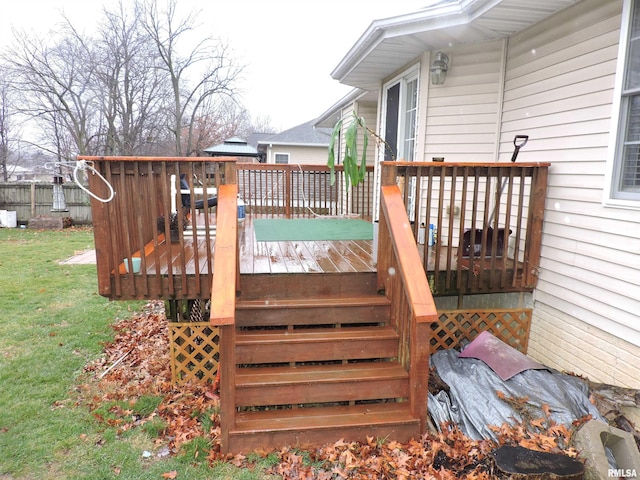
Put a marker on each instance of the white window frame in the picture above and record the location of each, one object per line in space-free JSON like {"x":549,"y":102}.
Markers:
{"x":409,"y":75}
{"x":613,"y":195}
{"x":285,"y":154}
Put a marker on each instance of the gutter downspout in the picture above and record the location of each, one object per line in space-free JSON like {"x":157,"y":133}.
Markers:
{"x":503,"y":76}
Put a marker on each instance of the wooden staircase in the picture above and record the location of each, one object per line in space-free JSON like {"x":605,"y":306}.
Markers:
{"x":311,"y":358}
{"x":318,"y":369}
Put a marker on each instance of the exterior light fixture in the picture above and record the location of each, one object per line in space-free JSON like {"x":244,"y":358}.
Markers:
{"x":439,"y":69}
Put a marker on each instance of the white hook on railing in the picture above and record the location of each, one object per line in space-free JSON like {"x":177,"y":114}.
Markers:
{"x":84,"y":166}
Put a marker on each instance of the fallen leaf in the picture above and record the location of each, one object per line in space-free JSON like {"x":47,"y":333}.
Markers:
{"x":171,"y":475}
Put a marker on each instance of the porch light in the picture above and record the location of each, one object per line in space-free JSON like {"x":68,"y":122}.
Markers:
{"x":439,"y":69}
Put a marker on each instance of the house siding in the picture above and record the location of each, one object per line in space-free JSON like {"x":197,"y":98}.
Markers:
{"x":554,"y":82}
{"x":368,"y":113}
{"x":300,"y":155}
{"x":463,"y":114}
{"x":559,"y":90}
{"x":559,"y":78}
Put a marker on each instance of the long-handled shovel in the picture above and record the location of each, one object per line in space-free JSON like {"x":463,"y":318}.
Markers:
{"x":468,"y":243}
{"x":519,"y":141}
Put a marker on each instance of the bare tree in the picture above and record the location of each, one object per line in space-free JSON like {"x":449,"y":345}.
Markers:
{"x":133,"y":87}
{"x":263,"y":124}
{"x":209,"y":62}
{"x":135,"y":92}
{"x":218,"y":121}
{"x":5,"y":128}
{"x":55,"y":83}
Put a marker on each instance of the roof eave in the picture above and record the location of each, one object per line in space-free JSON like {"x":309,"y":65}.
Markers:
{"x":385,"y":28}
{"x":441,"y":26}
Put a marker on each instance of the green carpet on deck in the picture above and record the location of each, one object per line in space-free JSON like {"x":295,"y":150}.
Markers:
{"x":286,"y":229}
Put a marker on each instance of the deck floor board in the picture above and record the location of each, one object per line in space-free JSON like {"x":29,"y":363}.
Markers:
{"x":262,"y":257}
{"x":320,"y":256}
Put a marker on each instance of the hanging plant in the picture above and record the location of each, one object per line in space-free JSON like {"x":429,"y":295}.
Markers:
{"x":353,"y":171}
{"x":354,"y":168}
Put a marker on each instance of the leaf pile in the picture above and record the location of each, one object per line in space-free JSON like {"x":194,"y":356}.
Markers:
{"x":136,"y":367}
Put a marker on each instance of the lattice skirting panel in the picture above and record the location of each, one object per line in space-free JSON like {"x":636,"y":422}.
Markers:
{"x":457,"y":327}
{"x":195,"y":351}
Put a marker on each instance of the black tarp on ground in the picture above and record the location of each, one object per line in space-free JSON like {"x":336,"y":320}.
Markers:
{"x":472,"y":402}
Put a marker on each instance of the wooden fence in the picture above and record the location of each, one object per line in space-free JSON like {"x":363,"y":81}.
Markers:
{"x":29,"y":199}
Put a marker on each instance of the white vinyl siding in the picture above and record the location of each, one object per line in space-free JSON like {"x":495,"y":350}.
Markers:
{"x":368,"y":112}
{"x":559,"y":90}
{"x":463,"y":114}
{"x":303,"y":155}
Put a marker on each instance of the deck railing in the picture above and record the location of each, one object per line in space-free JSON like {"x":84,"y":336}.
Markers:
{"x":405,"y":284}
{"x":139,"y":254}
{"x":487,"y":219}
{"x":302,"y":190}
{"x":486,"y":222}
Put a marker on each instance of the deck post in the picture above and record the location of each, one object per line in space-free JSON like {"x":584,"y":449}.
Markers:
{"x":100,"y":215}
{"x":389,"y":174}
{"x":534,"y":229}
{"x":223,"y":303}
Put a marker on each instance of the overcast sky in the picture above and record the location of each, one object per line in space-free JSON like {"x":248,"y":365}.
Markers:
{"x":289,"y":47}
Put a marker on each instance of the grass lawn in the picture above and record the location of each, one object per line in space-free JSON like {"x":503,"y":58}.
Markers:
{"x":54,"y":323}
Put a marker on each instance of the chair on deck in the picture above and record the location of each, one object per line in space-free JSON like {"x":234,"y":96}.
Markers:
{"x":185,"y":193}
{"x":201,"y":204}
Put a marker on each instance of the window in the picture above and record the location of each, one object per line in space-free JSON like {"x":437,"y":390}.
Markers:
{"x":401,"y":108}
{"x":281,"y":158}
{"x":626,"y":176}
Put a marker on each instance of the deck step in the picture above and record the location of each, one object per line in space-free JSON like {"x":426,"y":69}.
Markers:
{"x":313,"y":311}
{"x":305,"y":427}
{"x":315,"y":344}
{"x":296,"y":285}
{"x":321,"y":383}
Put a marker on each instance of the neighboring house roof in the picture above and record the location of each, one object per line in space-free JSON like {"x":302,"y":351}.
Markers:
{"x":235,"y":146}
{"x":254,"y":138}
{"x":391,"y":43}
{"x":301,"y":135}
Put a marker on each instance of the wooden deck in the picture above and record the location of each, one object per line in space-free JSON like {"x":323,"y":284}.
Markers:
{"x":260,"y":257}
{"x":128,"y":225}
{"x":298,"y":257}
{"x":268,"y":306}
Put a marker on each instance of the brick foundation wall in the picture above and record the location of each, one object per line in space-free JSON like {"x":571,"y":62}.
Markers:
{"x":567,"y":344}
